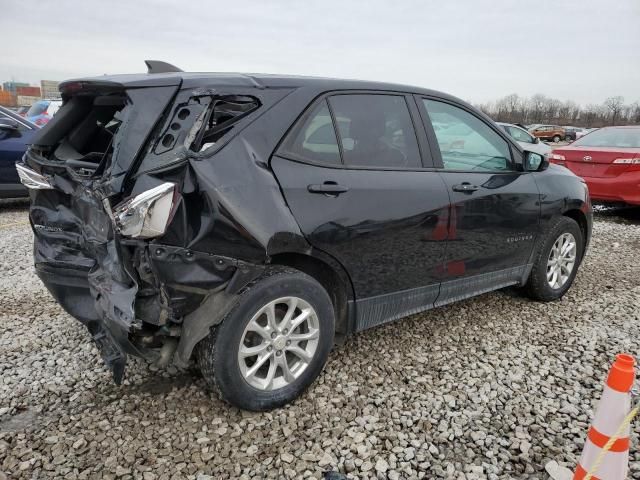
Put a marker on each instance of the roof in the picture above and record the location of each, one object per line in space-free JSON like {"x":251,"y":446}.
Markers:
{"x":251,"y":80}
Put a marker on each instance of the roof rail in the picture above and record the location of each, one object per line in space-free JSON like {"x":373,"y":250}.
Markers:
{"x":157,"y":66}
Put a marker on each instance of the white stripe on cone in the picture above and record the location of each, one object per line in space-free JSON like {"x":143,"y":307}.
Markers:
{"x":613,"y":407}
{"x":613,"y":467}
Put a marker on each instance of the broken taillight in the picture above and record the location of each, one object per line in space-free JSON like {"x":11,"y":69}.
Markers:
{"x":146,"y":215}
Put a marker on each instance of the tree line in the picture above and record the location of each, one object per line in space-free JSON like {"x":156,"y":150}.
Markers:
{"x":542,"y":109}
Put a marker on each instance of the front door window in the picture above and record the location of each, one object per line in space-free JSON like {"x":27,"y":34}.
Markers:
{"x":466,"y":142}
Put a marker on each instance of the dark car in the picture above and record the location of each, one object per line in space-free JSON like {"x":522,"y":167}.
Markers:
{"x":15,"y":134}
{"x":250,"y":221}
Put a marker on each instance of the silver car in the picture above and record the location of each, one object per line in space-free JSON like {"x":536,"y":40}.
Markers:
{"x":525,"y":139}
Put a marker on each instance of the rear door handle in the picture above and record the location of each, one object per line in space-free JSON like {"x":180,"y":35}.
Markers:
{"x":330,"y":188}
{"x":465,"y":188}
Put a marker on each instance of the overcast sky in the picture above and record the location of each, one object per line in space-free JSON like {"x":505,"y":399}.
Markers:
{"x":479,"y":50}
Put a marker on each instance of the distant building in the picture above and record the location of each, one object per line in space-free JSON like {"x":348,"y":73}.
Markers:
{"x":6,"y":99}
{"x":26,"y":100}
{"x":12,"y":86}
{"x":49,"y":89}
{"x":28,"y":91}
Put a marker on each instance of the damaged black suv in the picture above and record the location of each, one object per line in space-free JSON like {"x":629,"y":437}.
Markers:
{"x":248,"y":222}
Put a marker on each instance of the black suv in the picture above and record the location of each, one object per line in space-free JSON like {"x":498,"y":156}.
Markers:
{"x":251,"y":221}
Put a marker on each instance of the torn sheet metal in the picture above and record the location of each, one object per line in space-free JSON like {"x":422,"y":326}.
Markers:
{"x":155,"y":298}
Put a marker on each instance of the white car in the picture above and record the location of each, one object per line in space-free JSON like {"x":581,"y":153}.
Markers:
{"x":583,"y":132}
{"x":525,"y":139}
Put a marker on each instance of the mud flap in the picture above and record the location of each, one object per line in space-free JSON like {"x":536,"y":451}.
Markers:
{"x":112,"y":355}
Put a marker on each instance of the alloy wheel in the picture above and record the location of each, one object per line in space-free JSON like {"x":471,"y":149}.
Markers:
{"x":561,"y":261}
{"x":278,"y":343}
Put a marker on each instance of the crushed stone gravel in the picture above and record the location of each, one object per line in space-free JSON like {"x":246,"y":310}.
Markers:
{"x":493,"y":387}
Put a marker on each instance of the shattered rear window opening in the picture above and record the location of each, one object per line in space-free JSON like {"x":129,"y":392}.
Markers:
{"x":92,"y":138}
{"x":222,"y":115}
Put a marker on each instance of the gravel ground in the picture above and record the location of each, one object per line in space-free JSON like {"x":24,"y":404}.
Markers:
{"x":493,"y":387}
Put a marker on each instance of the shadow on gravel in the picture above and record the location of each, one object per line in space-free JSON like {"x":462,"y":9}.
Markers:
{"x":24,"y":419}
{"x":622,"y":214}
{"x":160,"y":385}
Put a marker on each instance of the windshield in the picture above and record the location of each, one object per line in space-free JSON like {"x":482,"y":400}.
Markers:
{"x":37,"y":108}
{"x":611,"y":137}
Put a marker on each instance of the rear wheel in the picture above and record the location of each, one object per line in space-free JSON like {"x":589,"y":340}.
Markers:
{"x":272,"y":344}
{"x":557,"y":261}
{"x":556,"y":138}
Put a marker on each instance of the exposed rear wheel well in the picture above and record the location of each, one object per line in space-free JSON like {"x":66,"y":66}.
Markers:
{"x":328,"y":278}
{"x":581,"y":220}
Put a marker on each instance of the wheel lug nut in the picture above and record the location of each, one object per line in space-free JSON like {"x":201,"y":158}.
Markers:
{"x":279,"y":352}
{"x":285,"y":331}
{"x":269,"y":348}
{"x":274,"y":335}
{"x":288,"y":342}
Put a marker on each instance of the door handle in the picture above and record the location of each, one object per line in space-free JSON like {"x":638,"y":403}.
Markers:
{"x":329,"y":188}
{"x":465,"y":187}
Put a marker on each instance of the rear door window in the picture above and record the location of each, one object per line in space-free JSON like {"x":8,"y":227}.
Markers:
{"x":466,"y":142}
{"x":375,"y":131}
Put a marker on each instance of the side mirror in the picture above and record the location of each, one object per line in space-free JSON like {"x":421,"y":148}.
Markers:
{"x":534,"y":162}
{"x":8,"y":124}
{"x":536,"y":140}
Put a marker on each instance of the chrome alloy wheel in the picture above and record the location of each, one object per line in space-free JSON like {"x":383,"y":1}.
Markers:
{"x":562,"y":260}
{"x":278,"y":343}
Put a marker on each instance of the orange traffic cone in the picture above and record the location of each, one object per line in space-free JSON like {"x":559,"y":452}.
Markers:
{"x":610,"y":414}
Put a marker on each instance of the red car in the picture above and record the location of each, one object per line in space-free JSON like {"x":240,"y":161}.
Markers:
{"x":609,"y":161}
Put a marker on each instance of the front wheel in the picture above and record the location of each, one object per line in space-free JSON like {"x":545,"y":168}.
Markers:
{"x":556,"y":139}
{"x":557,"y":260}
{"x":272,"y":344}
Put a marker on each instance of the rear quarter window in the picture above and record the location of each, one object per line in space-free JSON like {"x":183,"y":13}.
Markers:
{"x":219,"y":119}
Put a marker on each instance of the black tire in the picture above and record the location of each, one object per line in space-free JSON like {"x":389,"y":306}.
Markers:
{"x":556,"y":138}
{"x":217,"y":354}
{"x":537,"y":286}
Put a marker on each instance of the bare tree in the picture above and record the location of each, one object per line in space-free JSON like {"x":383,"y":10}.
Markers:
{"x":634,"y":116}
{"x":512,"y":103}
{"x":568,"y":112}
{"x":543,"y":109}
{"x":537,"y":107}
{"x":615,"y":106}
{"x":551,"y":109}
